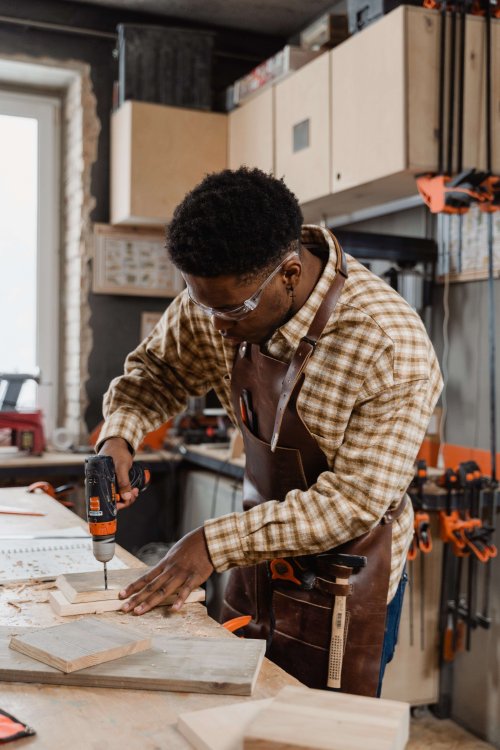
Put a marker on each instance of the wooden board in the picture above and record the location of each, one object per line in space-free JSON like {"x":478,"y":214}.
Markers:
{"x":225,"y":666}
{"x":80,"y":644}
{"x":319,"y":720}
{"x":219,"y":728}
{"x":89,"y":587}
{"x":63,"y":608}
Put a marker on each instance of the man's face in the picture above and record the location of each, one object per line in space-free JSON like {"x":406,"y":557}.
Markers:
{"x":274,"y":308}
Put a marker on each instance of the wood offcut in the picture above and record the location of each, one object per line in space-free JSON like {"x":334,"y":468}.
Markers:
{"x":80,"y":644}
{"x":302,"y":718}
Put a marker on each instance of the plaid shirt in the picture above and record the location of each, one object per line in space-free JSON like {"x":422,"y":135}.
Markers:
{"x":367,"y":397}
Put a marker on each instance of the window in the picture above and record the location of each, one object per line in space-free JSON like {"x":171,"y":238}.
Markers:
{"x":29,"y":245}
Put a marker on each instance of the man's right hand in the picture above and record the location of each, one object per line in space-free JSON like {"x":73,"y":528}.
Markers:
{"x":118,"y":449}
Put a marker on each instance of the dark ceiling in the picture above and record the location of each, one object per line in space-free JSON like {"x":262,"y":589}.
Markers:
{"x":280,"y":17}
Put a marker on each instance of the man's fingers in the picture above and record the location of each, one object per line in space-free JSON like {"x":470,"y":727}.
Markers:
{"x":139,"y":584}
{"x":183,"y":594}
{"x":147,"y":599}
{"x":127,"y":499}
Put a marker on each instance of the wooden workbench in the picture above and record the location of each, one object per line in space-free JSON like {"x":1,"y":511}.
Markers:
{"x":98,"y":718}
{"x":67,"y":463}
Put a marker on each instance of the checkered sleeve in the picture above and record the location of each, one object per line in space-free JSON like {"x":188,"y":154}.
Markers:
{"x":371,"y":471}
{"x":172,"y":363}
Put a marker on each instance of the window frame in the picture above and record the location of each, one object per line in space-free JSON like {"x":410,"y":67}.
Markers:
{"x":47,"y":111}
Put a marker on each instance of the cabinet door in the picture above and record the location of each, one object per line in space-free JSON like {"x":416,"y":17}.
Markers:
{"x":385,"y":102}
{"x":158,"y":154}
{"x":368,"y":104}
{"x":250,"y":133}
{"x":302,"y":130}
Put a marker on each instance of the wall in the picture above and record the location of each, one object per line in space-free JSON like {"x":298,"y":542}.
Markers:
{"x":476,"y":698}
{"x":114,"y":320}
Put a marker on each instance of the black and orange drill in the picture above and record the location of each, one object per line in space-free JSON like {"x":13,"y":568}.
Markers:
{"x":101,"y":496}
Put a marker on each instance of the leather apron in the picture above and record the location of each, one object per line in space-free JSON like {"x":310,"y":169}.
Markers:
{"x":283,"y":455}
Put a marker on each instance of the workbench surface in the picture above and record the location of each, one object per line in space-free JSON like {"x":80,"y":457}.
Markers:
{"x":97,"y":718}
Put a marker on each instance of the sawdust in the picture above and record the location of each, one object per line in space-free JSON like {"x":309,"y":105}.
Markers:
{"x":46,"y":585}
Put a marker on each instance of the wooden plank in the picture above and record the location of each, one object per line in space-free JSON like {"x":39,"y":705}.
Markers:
{"x":89,"y":587}
{"x":219,"y":728}
{"x":63,"y":608}
{"x":319,"y":720}
{"x":225,"y":666}
{"x":80,"y":644}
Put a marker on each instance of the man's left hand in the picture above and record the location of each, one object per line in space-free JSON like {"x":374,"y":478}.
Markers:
{"x":184,"y":567}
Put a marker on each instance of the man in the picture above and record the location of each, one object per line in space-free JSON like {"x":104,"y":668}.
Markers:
{"x":332,"y":379}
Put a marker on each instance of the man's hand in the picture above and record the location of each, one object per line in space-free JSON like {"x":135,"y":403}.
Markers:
{"x":117,"y":448}
{"x":185,"y":566}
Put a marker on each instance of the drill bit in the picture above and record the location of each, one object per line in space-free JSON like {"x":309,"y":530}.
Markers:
{"x":105,"y":576}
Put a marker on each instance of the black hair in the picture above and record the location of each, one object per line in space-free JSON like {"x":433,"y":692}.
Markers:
{"x":234,"y":223}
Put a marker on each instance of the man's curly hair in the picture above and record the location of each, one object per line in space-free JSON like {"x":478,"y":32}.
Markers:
{"x":234,"y":223}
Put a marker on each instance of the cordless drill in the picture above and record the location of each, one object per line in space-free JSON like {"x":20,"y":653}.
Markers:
{"x":101,"y":495}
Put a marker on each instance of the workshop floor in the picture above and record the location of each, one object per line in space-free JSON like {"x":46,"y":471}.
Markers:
{"x":428,"y":732}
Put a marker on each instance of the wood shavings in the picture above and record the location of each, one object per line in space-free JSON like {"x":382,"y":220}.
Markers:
{"x":46,"y":585}
{"x":14,"y":604}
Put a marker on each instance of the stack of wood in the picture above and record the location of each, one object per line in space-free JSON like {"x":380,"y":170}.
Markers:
{"x":84,"y":593}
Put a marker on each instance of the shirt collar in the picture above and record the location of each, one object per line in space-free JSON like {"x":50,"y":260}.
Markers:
{"x":320,"y":242}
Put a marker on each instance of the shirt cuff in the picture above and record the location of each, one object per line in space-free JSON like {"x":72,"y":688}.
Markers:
{"x":123,"y":427}
{"x":223,"y":538}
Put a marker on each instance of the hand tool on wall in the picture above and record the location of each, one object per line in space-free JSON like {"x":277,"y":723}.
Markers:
{"x":421,"y":543}
{"x":101,"y":496}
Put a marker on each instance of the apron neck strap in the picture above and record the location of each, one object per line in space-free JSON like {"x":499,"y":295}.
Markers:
{"x":308,"y":342}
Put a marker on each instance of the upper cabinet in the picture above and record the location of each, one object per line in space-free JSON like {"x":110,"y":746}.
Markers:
{"x":251,"y":133}
{"x":348,"y":131}
{"x":385,"y":104}
{"x":302,"y":130}
{"x":158,"y":154}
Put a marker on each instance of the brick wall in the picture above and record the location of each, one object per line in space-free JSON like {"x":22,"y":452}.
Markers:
{"x":80,"y":135}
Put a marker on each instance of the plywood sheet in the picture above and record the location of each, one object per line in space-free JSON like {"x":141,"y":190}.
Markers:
{"x":80,"y":644}
{"x":228,"y":666}
{"x":219,"y":728}
{"x":319,"y":720}
{"x":63,"y":608}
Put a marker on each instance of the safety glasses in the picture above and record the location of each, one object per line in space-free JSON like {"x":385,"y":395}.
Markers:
{"x":241,"y":311}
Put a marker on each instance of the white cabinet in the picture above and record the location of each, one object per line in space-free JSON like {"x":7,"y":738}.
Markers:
{"x":302,"y":130}
{"x":250,"y":133}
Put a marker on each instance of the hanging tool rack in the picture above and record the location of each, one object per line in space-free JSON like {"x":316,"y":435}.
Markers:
{"x":466,"y":502}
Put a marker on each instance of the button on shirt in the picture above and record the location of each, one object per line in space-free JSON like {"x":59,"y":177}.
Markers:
{"x":368,"y":394}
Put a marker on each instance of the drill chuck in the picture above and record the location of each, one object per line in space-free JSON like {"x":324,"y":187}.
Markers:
{"x":103,"y":548}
